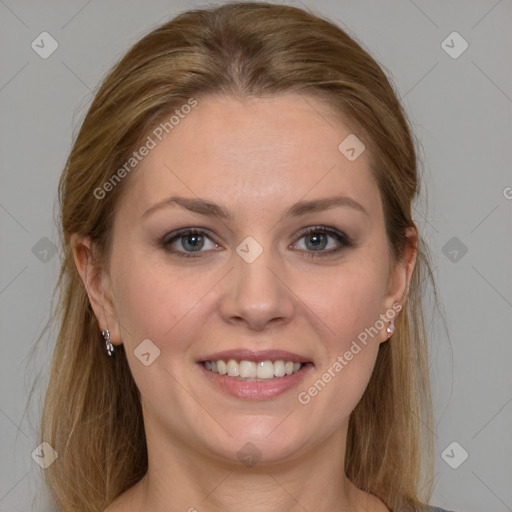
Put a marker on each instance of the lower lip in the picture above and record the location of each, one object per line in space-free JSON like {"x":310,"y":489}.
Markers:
{"x":256,"y":390}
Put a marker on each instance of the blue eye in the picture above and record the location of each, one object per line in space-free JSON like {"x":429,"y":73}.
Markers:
{"x":190,"y":239}
{"x":318,"y":238}
{"x":194,"y":240}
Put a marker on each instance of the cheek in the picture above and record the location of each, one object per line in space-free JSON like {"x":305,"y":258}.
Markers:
{"x":351,"y":301}
{"x":154,"y":302}
{"x":164,"y":302}
{"x":351,"y":310}
{"x":152,"y":299}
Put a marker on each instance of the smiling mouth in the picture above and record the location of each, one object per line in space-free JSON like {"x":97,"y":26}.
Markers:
{"x":246,"y":370}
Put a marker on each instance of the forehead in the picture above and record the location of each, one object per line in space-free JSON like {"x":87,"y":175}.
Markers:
{"x":253,"y":154}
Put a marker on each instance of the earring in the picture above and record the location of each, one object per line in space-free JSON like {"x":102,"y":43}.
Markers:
{"x":390,"y":329}
{"x":108,"y":345}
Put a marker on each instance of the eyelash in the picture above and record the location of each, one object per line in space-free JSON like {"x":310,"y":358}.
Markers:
{"x":341,"y":237}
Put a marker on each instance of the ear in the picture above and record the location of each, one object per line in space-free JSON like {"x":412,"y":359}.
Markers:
{"x":400,"y":277}
{"x":97,"y":284}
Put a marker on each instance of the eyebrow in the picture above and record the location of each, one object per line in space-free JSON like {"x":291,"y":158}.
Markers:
{"x":204,"y":207}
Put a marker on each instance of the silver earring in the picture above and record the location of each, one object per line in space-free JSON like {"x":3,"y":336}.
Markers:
{"x":390,"y":329}
{"x":108,"y":345}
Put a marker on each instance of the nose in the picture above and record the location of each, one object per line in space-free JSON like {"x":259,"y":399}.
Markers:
{"x":258,"y":293}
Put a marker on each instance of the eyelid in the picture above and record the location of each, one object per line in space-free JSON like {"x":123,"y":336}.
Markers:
{"x":169,"y":237}
{"x":333,"y":232}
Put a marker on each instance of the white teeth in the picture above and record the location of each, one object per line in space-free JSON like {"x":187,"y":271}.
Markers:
{"x":222,"y":367}
{"x":251,"y":370}
{"x":247,"y":369}
{"x":233,"y":368}
{"x":279,"y":368}
{"x":265,"y":370}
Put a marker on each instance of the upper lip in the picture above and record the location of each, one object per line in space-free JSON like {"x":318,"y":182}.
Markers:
{"x":255,"y":355}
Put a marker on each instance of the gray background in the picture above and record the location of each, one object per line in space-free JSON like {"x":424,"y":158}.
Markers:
{"x":460,"y":109}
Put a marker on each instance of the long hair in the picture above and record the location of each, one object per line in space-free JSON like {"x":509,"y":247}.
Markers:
{"x":92,"y":414}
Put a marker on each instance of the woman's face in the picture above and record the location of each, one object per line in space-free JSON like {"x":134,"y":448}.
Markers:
{"x":251,"y":286}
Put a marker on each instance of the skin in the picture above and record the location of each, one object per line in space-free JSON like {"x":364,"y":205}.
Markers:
{"x":256,"y":157}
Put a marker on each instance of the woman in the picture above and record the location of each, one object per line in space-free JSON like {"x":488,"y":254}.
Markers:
{"x":242,"y":323}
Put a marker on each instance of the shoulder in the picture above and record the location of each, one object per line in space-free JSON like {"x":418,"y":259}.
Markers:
{"x":437,"y":509}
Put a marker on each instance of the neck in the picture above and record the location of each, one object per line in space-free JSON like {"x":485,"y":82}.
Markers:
{"x":181,"y":478}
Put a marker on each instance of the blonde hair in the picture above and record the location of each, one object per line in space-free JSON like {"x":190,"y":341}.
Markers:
{"x":92,"y":414}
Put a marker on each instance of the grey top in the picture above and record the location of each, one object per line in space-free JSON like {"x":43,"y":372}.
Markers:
{"x":437,"y":509}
